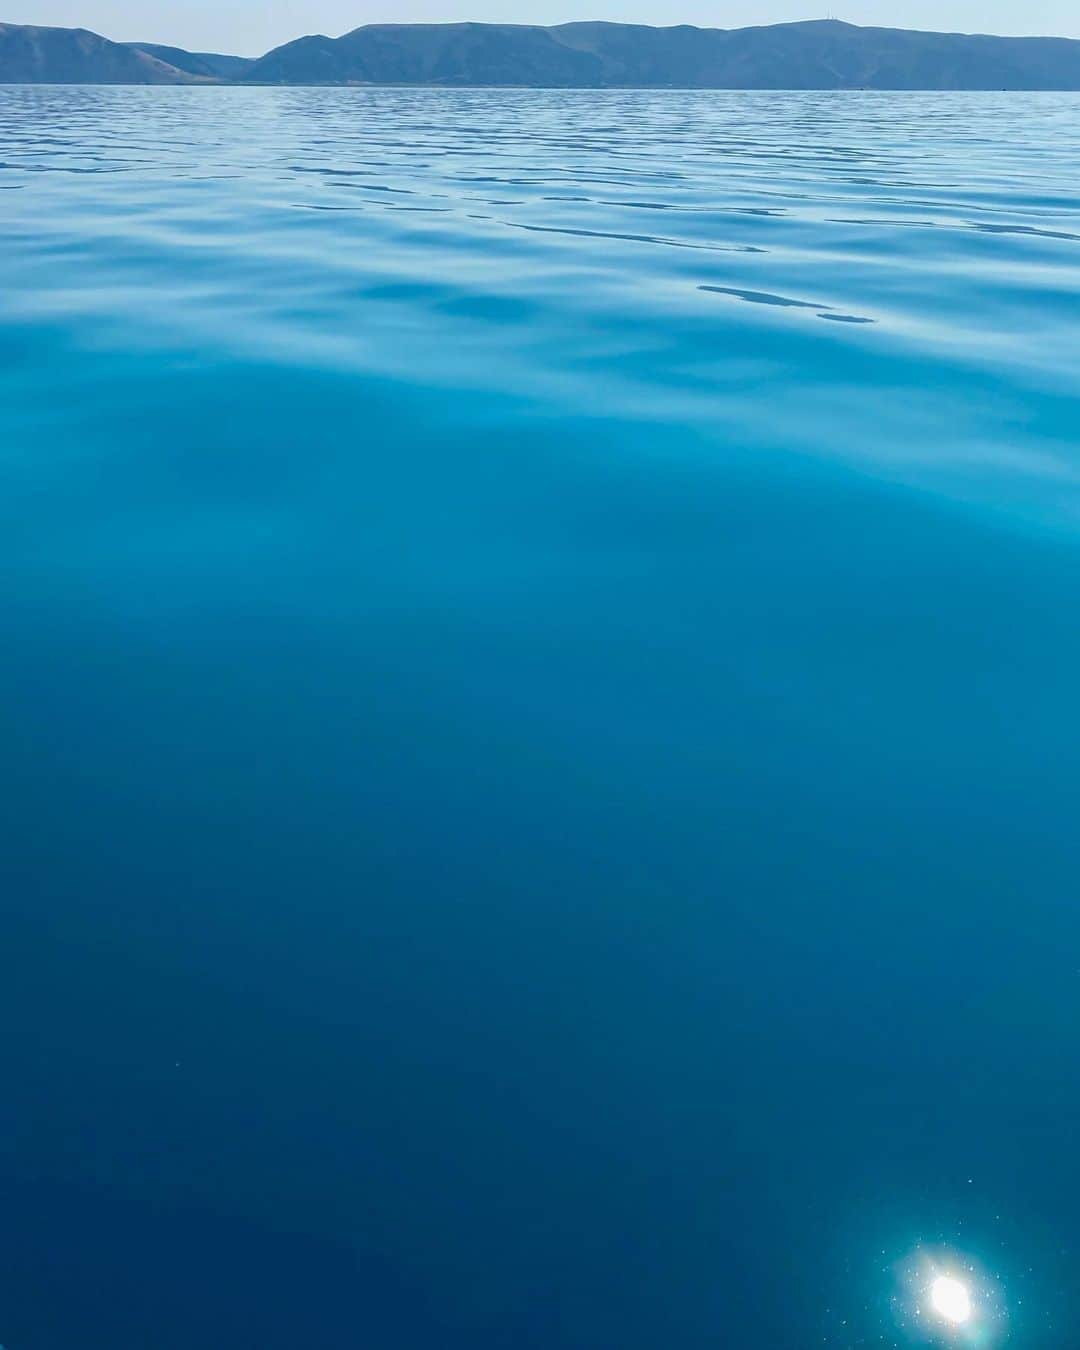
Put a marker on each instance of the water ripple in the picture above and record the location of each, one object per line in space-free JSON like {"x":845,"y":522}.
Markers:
{"x":229,"y":203}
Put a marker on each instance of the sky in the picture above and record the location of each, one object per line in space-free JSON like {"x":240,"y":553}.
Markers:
{"x":251,"y":27}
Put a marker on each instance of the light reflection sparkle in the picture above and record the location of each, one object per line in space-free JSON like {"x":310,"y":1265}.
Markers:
{"x":950,"y":1298}
{"x":945,"y":1298}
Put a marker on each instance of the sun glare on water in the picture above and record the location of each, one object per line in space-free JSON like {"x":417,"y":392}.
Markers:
{"x":951,"y":1299}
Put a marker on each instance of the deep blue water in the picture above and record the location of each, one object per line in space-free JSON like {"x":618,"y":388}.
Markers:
{"x":539,"y":718}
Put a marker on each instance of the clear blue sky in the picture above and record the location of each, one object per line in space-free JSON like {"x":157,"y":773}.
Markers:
{"x":250,"y":27}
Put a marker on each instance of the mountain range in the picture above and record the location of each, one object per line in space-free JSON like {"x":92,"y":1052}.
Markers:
{"x":817,"y":54}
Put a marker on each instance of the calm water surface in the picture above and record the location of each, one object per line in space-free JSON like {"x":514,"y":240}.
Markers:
{"x":539,"y":714}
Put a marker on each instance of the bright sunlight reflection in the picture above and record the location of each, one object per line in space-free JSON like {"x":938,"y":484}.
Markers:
{"x":950,"y":1299}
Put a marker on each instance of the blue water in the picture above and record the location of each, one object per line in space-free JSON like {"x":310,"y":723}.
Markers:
{"x":539,"y":716}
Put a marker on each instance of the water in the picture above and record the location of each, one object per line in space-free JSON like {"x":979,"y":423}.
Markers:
{"x":539,"y":706}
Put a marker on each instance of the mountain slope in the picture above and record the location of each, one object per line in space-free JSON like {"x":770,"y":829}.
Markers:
{"x":820,"y":54}
{"x":459,"y":53}
{"x":31,"y":55}
{"x":210,"y":65}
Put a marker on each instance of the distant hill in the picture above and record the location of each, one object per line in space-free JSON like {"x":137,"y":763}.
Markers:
{"x":30,"y":55}
{"x":211,"y":65}
{"x":818,"y":54}
{"x":455,"y":54}
{"x":821,"y":54}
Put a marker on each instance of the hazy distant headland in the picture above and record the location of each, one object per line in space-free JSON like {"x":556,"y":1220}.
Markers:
{"x":818,"y":54}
